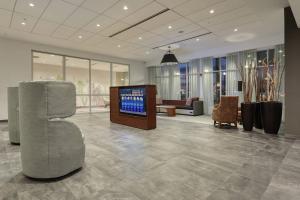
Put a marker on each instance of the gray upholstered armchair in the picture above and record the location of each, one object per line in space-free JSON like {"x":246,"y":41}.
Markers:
{"x":51,"y":145}
{"x":13,"y":115}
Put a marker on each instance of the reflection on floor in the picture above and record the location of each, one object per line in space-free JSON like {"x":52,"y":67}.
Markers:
{"x":94,"y":109}
{"x":202,"y":119}
{"x":178,"y":160}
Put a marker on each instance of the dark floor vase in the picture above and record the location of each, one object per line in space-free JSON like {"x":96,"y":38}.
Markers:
{"x":271,"y":116}
{"x":247,"y":116}
{"x":257,"y":116}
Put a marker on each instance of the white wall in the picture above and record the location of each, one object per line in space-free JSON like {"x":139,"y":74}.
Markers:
{"x":15,"y":65}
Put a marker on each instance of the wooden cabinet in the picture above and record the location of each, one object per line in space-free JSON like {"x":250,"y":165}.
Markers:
{"x":143,"y":122}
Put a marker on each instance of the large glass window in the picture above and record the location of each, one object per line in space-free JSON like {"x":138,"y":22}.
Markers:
{"x":47,"y":66}
{"x":100,"y":83}
{"x":92,"y":78}
{"x":120,"y":74}
{"x":77,"y":71}
{"x":183,"y":67}
{"x":216,"y":80}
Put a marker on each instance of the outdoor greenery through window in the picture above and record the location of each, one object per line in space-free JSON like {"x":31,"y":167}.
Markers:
{"x":92,"y":78}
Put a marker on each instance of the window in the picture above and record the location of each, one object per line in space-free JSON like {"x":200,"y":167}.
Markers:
{"x":183,"y":67}
{"x":120,"y":75}
{"x":219,"y":78}
{"x":92,"y":78}
{"x":47,"y":66}
{"x":77,"y":71}
{"x":100,"y":83}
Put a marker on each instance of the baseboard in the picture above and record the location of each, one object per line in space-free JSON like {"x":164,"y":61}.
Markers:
{"x":4,"y":120}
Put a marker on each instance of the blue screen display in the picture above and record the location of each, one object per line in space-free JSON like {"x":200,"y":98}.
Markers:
{"x":132,"y":101}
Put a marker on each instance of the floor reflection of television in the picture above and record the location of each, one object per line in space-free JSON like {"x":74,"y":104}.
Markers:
{"x":133,"y":101}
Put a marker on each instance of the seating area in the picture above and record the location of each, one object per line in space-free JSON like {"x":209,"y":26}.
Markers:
{"x":149,"y":100}
{"x":191,"y":106}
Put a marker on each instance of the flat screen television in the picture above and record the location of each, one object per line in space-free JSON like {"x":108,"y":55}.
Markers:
{"x":133,"y":101}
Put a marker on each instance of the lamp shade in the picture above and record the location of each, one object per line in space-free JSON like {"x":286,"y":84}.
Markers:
{"x":169,"y":59}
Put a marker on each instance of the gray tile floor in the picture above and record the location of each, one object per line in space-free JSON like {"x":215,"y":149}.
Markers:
{"x":178,"y":160}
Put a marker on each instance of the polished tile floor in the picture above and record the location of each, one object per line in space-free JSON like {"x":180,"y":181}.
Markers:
{"x":178,"y":160}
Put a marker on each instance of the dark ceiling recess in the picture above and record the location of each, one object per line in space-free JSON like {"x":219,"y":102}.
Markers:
{"x":178,"y":41}
{"x":140,"y":22}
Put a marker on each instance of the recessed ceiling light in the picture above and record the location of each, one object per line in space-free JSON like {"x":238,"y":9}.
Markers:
{"x":280,"y":51}
{"x":119,"y":46}
{"x":98,"y":25}
{"x":235,"y":30}
{"x":206,"y":70}
{"x":125,"y":8}
{"x":170,"y":27}
{"x":140,"y":38}
{"x":212,"y":11}
{"x":31,"y":4}
{"x":23,"y":23}
{"x":80,"y":36}
{"x":197,"y":39}
{"x":52,"y":55}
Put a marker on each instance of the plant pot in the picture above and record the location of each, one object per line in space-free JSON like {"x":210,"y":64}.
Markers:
{"x":271,"y":116}
{"x":247,"y":116}
{"x":257,"y":116}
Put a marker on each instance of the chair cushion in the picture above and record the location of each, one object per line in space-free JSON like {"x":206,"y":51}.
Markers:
{"x":189,"y":102}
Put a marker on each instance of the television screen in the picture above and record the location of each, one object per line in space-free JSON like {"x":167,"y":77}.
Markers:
{"x":133,"y":101}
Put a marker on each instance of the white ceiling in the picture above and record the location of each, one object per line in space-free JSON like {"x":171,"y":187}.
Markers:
{"x":61,"y":22}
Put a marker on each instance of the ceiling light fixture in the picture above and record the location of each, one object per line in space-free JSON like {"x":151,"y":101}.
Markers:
{"x":80,"y":36}
{"x":169,"y":58}
{"x":125,"y":8}
{"x":235,"y":30}
{"x":24,"y":22}
{"x":212,"y":11}
{"x":119,"y":46}
{"x":98,"y":25}
{"x":31,"y":4}
{"x":140,"y":38}
{"x":197,"y":39}
{"x":169,"y":27}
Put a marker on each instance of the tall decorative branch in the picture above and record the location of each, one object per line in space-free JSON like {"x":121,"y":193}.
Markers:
{"x":273,"y":80}
{"x":248,"y":79}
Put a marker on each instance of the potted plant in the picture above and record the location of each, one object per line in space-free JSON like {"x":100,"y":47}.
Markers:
{"x":247,"y":107}
{"x":271,"y":108}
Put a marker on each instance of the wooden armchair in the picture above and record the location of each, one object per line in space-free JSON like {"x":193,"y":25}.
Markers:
{"x":226,"y":112}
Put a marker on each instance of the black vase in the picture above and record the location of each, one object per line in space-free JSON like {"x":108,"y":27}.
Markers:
{"x":247,"y":116}
{"x":257,"y":116}
{"x":271,"y":116}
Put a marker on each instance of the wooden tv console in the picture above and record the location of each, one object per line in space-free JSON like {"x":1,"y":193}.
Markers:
{"x":143,"y":122}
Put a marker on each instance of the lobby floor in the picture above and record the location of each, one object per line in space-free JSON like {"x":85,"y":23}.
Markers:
{"x":178,"y":160}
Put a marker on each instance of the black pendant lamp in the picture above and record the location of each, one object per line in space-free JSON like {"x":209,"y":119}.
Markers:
{"x":169,"y":58}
